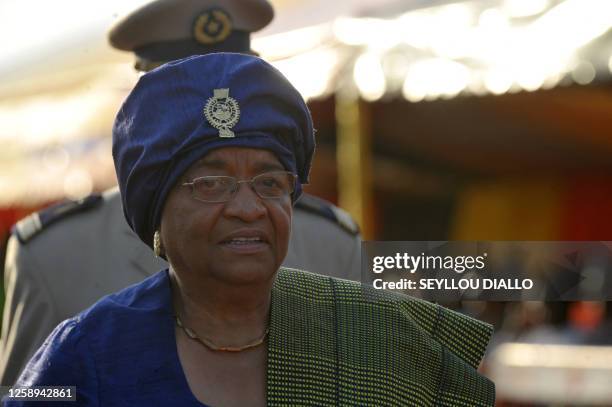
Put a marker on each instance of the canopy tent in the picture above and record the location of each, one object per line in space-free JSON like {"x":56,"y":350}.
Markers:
{"x":56,"y":108}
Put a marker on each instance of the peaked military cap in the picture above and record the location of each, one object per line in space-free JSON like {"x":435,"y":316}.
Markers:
{"x":165,"y":30}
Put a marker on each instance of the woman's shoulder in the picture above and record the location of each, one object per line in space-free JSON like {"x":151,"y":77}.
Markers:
{"x":116,"y":343}
{"x":138,"y":304}
{"x":313,"y":285}
{"x":357,"y":322}
{"x":462,"y":335}
{"x":150,"y":295}
{"x":104,"y":318}
{"x":62,"y":360}
{"x":127,"y":316}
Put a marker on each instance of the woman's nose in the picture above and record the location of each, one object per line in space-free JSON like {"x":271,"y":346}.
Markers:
{"x":245,"y":204}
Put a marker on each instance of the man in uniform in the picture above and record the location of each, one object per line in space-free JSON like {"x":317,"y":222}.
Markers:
{"x":63,"y":259}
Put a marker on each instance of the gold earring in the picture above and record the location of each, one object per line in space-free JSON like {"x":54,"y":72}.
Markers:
{"x":157,"y":249}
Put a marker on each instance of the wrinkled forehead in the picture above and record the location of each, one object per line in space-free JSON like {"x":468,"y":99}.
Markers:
{"x":234,"y":159}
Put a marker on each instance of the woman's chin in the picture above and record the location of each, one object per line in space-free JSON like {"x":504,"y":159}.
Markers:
{"x":246,"y":271}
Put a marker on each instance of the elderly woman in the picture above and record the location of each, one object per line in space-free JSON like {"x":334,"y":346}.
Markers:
{"x":211,"y":152}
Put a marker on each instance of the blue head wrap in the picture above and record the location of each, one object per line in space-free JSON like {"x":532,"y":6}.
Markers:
{"x":162,"y":128}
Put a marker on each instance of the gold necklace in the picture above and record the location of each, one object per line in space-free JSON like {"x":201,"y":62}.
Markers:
{"x":210,"y":345}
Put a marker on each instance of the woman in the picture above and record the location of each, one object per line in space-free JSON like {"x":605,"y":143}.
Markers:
{"x":211,"y":152}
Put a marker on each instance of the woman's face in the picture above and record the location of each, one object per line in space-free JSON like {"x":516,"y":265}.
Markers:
{"x":240,"y":241}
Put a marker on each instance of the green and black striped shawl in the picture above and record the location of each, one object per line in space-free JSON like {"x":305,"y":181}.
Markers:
{"x":337,"y":343}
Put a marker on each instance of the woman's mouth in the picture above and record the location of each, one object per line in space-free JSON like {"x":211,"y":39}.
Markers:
{"x":245,"y":244}
{"x":244,"y":240}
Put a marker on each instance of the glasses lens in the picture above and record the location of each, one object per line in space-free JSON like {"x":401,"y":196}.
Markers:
{"x":274,"y":184}
{"x":213,"y":188}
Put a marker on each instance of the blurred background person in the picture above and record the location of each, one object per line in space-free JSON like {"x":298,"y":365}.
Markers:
{"x":64,"y":258}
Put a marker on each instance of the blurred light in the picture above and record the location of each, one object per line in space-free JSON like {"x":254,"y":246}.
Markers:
{"x":455,"y":16}
{"x":39,"y":185}
{"x":352,"y":31}
{"x":610,"y":64}
{"x":498,"y":81}
{"x":549,"y":374}
{"x":451,"y":38}
{"x":587,"y":357}
{"x":369,"y":76}
{"x":573,"y":23}
{"x":414,"y":91}
{"x":494,"y":19}
{"x":419,"y":82}
{"x":396,"y":64}
{"x":476,"y":85}
{"x":290,"y":43}
{"x":524,"y":8}
{"x":431,"y":96}
{"x":310,"y":72}
{"x":529,"y":56}
{"x":493,"y":41}
{"x":78,"y":184}
{"x":453,"y":77}
{"x":416,"y":28}
{"x":374,"y":32}
{"x":515,"y":88}
{"x":432,"y":78}
{"x":444,"y":29}
{"x":552,"y":81}
{"x":47,"y":119}
{"x":584,"y":73}
{"x":55,"y":159}
{"x":23,"y":23}
{"x":530,"y":78}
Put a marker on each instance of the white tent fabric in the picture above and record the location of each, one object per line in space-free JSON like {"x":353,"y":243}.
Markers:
{"x":57,"y":100}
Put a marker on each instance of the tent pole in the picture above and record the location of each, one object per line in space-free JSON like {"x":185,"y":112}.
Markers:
{"x":354,"y":161}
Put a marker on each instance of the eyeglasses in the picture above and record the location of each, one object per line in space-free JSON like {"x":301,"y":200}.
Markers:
{"x":222,"y":188}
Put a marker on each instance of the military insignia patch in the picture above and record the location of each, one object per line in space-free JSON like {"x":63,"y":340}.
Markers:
{"x":212,"y":26}
{"x":222,"y":112}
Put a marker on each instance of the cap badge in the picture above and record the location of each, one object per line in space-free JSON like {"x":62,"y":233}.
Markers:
{"x":212,"y":26}
{"x":222,"y":112}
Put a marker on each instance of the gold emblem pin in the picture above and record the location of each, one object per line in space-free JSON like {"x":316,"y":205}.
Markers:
{"x":222,"y":112}
{"x":212,"y":26}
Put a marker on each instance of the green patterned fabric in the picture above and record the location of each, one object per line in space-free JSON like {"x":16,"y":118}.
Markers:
{"x":339,"y":343}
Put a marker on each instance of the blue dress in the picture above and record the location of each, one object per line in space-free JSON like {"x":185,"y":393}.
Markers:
{"x":120,"y":352}
{"x":332,"y":342}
